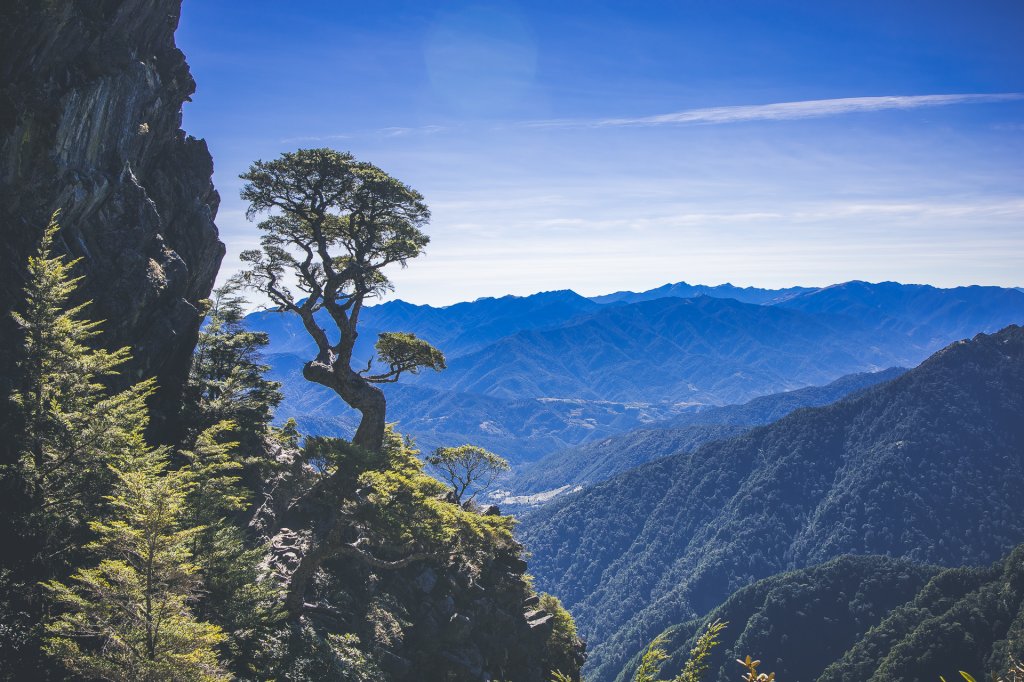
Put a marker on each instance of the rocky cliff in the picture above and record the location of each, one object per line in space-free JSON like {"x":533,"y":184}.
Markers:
{"x":90,"y":123}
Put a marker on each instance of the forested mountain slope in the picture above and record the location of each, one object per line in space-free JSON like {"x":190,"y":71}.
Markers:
{"x":928,"y":466}
{"x":696,"y":351}
{"x":867,"y":619}
{"x":598,"y":461}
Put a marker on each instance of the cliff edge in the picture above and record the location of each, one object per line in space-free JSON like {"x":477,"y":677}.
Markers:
{"x":90,"y":123}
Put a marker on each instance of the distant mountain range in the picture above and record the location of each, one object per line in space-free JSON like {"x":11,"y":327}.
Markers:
{"x":928,"y":466}
{"x":531,"y":375}
{"x":684,"y":290}
{"x":521,"y":430}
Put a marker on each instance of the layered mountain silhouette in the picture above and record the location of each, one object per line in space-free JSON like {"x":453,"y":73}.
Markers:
{"x":684,"y":290}
{"x":928,"y":466}
{"x":531,"y":375}
{"x":520,"y":429}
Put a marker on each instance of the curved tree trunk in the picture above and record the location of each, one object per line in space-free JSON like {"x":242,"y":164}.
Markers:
{"x":357,"y":392}
{"x":325,"y":539}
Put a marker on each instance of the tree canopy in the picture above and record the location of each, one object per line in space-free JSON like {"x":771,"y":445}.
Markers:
{"x":467,"y":469}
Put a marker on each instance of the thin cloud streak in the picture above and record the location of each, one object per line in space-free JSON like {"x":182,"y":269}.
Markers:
{"x":392,"y":131}
{"x":784,"y":111}
{"x":314,"y":138}
{"x":398,"y":131}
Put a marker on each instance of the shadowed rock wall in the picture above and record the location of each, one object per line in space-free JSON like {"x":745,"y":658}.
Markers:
{"x":90,"y":123}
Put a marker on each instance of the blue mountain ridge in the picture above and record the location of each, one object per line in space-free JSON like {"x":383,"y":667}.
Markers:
{"x":531,"y":375}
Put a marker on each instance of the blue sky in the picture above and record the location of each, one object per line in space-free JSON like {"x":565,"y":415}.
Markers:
{"x":607,"y":146}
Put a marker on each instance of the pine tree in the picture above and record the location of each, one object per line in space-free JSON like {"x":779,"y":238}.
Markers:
{"x":226,"y":382}
{"x":696,"y":665}
{"x":131,"y":617}
{"x":84,"y":457}
{"x":72,"y":422}
{"x":239,"y":595}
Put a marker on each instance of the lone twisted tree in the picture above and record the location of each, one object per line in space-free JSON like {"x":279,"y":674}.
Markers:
{"x":334,"y":225}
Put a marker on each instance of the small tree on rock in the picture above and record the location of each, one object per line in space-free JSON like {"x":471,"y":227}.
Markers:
{"x":467,"y":469}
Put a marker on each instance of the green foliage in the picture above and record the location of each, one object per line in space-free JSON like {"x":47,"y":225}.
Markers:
{"x":697,"y":665}
{"x":336,"y":223}
{"x":214,"y":468}
{"x":563,"y":648}
{"x":341,"y":657}
{"x":145,"y":562}
{"x":226,"y":381}
{"x":868,"y":619}
{"x":130,"y":617}
{"x":652,"y":660}
{"x":963,"y":618}
{"x":871,"y":474}
{"x":328,"y":202}
{"x":403,"y":352}
{"x":408,"y":508}
{"x":655,"y":656}
{"x":238,"y":595}
{"x":467,"y":468}
{"x":72,"y":424}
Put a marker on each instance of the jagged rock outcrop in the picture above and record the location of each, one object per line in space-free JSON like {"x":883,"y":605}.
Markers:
{"x":445,"y":616}
{"x":90,"y":123}
{"x":445,"y":620}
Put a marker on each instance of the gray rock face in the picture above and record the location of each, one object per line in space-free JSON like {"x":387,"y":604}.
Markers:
{"x":90,"y":123}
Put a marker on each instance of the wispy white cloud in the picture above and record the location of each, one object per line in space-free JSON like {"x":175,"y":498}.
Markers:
{"x":398,"y":131}
{"x":391,"y":131}
{"x":782,"y":111}
{"x":316,"y":138}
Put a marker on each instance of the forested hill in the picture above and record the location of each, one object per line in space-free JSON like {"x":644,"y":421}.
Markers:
{"x":928,"y":467}
{"x":595,"y":462}
{"x":867,"y":619}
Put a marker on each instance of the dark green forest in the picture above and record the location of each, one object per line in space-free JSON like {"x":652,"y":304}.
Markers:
{"x":866,"y":618}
